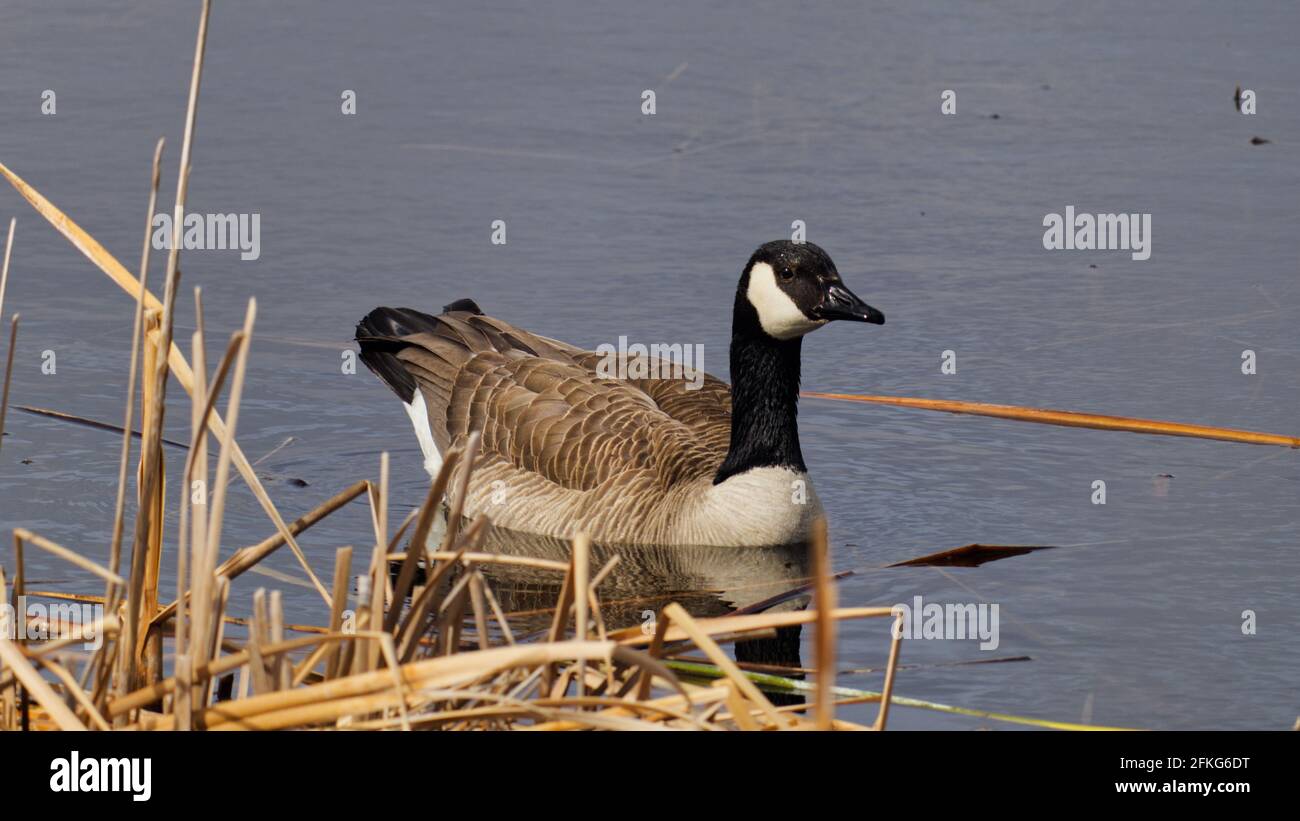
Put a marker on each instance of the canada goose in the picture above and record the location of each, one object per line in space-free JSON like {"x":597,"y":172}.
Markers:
{"x":626,"y":461}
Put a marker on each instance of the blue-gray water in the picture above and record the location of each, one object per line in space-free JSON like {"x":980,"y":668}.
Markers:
{"x":624,"y":224}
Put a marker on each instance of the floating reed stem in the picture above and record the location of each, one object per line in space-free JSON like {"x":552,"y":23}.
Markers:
{"x":1070,"y":419}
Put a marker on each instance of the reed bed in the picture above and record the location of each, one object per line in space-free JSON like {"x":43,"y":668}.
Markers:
{"x":436,"y":655}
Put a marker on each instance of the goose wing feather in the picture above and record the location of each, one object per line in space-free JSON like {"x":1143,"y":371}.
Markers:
{"x":541,"y":405}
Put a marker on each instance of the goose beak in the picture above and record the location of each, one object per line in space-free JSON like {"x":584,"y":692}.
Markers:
{"x":841,"y":303}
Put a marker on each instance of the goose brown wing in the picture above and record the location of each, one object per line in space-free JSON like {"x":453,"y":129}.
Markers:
{"x":540,"y":404}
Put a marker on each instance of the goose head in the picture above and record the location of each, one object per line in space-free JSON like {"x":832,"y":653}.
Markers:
{"x":789,"y":289}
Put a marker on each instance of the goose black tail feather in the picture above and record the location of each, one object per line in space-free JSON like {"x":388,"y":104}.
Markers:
{"x":380,"y":337}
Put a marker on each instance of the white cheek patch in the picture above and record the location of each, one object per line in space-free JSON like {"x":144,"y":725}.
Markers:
{"x":777,"y":313}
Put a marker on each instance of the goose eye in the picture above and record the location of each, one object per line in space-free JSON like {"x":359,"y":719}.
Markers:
{"x":786,"y":275}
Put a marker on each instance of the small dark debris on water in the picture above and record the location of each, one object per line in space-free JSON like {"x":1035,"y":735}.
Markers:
{"x":995,"y":116}
{"x":1164,"y":476}
{"x":1092,"y":265}
{"x":971,"y":555}
{"x":288,"y":480}
{"x":1236,"y":98}
{"x":27,"y":461}
{"x":1259,"y":141}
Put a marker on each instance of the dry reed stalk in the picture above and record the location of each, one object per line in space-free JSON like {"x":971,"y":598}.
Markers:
{"x":887,"y":692}
{"x":79,"y":695}
{"x":839,"y":724}
{"x":824,"y":638}
{"x":9,"y":372}
{"x":263,"y":682}
{"x":247,"y":557}
{"x":495,"y":558}
{"x":581,"y":580}
{"x":721,"y":625}
{"x":451,"y":671}
{"x":396,"y":538}
{"x":498,"y":614}
{"x":4,"y":267}
{"x":220,"y":598}
{"x":182,"y":706}
{"x":379,"y":578}
{"x":27,"y":537}
{"x":413,"y":625}
{"x":1070,"y":419}
{"x":280,"y":670}
{"x":237,"y":660}
{"x":20,"y":586}
{"x":13,"y":328}
{"x":560,"y":619}
{"x":419,"y":538}
{"x":451,"y":616}
{"x":203,"y":557}
{"x":119,"y":506}
{"x":342,"y":572}
{"x":688,"y":697}
{"x":190,"y":554}
{"x":681,"y":619}
{"x":655,"y":651}
{"x":218,"y":504}
{"x":6,"y":692}
{"x":468,"y":454}
{"x":602,"y":634}
{"x":356,"y":654}
{"x":508,"y":706}
{"x":37,"y":686}
{"x":147,"y":539}
{"x":147,"y":549}
{"x":479,"y":603}
{"x":740,"y":709}
{"x":179,"y":367}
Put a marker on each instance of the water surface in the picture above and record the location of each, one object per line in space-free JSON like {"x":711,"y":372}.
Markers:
{"x":622,"y":224}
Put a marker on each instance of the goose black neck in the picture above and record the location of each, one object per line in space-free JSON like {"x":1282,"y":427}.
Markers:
{"x":764,"y":400}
